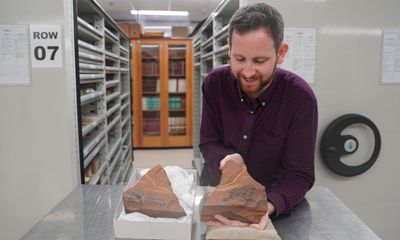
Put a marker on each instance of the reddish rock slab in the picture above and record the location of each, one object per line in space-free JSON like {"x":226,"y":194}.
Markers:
{"x":237,"y":197}
{"x":153,"y":196}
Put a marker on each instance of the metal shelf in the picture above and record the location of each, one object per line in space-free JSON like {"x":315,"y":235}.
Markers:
{"x":222,"y":33}
{"x":197,"y":43}
{"x":112,"y":96}
{"x":198,"y":54}
{"x":124,"y":106}
{"x":88,"y":30}
{"x":90,"y":66}
{"x":89,"y":46}
{"x":111,"y":56}
{"x":105,"y":180}
{"x":123,"y":96}
{"x":125,"y":137}
{"x":128,"y":167}
{"x":87,"y":128}
{"x":207,"y":56}
{"x":91,"y":76}
{"x":116,"y":176}
{"x":112,"y":83}
{"x":125,"y":151}
{"x":111,"y":69}
{"x":123,"y":49}
{"x":113,"y":122}
{"x":92,"y":143}
{"x":103,"y":58}
{"x":207,"y":43}
{"x":87,"y":98}
{"x":113,"y":149}
{"x":90,"y":57}
{"x":96,"y":177}
{"x":222,"y":50}
{"x":95,"y":151}
{"x":125,"y":121}
{"x":113,"y":109}
{"x":116,"y":159}
{"x":110,"y":35}
{"x":126,"y":60}
{"x":122,"y":170}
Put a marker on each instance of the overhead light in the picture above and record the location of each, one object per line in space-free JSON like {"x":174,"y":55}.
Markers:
{"x":156,"y":12}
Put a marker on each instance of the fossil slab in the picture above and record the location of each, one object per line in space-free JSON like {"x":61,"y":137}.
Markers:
{"x":237,"y":197}
{"x":152,"y":195}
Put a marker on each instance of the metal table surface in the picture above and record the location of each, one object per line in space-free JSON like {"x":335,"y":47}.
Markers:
{"x":87,"y":213}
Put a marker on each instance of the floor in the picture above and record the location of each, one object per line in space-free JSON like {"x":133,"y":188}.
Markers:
{"x":147,"y":158}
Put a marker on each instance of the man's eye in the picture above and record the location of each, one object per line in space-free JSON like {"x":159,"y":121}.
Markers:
{"x":261,"y":61}
{"x":240,"y":59}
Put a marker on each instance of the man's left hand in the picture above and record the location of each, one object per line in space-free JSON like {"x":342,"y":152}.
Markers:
{"x":234,"y":223}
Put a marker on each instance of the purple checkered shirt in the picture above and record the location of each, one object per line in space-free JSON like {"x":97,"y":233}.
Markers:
{"x":275,"y":134}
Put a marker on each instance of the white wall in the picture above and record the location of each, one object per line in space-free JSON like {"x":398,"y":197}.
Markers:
{"x":347,"y":80}
{"x":38,"y":149}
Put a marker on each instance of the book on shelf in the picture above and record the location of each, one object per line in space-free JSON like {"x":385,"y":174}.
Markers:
{"x":177,"y":125}
{"x":181,"y":85}
{"x":151,"y":125}
{"x":177,"y":85}
{"x":177,"y":68}
{"x":151,"y":103}
{"x":150,"y":68}
{"x":151,"y":85}
{"x":172,"y":86}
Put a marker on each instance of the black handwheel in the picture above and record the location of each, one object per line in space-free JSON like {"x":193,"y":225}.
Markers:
{"x":333,"y":145}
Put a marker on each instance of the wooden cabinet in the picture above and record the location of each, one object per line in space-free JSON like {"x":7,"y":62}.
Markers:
{"x":162,"y":92}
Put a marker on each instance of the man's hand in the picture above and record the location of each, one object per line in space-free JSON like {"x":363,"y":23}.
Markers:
{"x":232,"y":157}
{"x":225,"y":221}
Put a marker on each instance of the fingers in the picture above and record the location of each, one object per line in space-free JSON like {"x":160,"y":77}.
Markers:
{"x":232,"y":157}
{"x":229,"y":222}
{"x":222,"y":163}
{"x":262,"y":224}
{"x":214,"y":223}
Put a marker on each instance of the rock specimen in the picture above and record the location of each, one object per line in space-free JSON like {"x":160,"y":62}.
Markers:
{"x":237,"y":197}
{"x":153,"y":196}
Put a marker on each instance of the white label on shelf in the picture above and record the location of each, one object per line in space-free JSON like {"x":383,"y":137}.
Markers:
{"x":46,"y":50}
{"x":14,"y":55}
{"x":391,"y":56}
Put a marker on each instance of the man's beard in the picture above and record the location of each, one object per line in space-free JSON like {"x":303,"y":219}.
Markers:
{"x":261,"y":83}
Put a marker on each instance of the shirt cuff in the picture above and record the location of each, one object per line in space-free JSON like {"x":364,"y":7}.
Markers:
{"x":279,"y":203}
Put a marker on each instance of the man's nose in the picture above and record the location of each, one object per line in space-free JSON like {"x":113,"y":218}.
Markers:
{"x":248,"y":70}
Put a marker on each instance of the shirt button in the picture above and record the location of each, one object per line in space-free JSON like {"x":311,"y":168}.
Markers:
{"x":241,"y":99}
{"x":263,"y":103}
{"x":251,"y":112}
{"x":244,"y":136}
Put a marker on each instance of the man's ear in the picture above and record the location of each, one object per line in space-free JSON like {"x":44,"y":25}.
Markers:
{"x":283,"y":49}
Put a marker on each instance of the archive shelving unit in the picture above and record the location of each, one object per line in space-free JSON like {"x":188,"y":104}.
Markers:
{"x":210,"y":50}
{"x":104,"y":86}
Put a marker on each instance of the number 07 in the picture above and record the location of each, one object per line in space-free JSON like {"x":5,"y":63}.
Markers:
{"x":40,"y":52}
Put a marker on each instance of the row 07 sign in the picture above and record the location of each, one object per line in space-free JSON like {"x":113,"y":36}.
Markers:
{"x":46,"y":50}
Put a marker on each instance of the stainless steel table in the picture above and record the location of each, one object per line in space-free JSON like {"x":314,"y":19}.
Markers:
{"x":87,"y":213}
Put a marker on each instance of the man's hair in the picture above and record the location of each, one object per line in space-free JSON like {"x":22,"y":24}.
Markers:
{"x":255,"y":16}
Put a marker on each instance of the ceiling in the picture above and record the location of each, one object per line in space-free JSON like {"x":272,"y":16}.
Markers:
{"x":198,"y":10}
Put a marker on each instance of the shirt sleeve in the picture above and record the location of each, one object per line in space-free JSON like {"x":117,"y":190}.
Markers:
{"x":211,"y":139}
{"x":298,"y":159}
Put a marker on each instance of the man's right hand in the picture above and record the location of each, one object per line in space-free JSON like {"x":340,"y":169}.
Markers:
{"x":233,"y":157}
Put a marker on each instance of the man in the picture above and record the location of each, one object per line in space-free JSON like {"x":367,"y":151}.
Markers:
{"x":258,"y":115}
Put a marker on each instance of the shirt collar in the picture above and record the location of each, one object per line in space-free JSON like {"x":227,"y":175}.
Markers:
{"x":263,"y":99}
